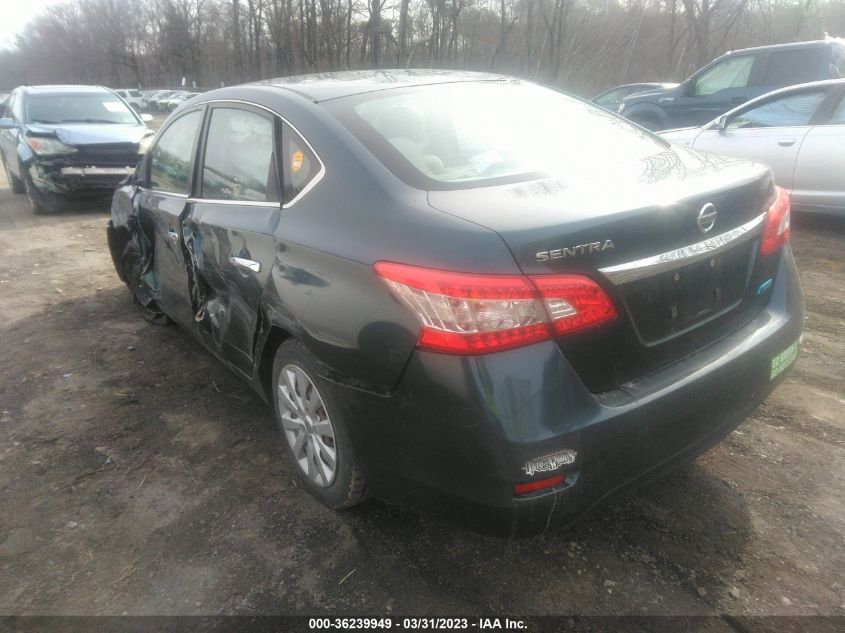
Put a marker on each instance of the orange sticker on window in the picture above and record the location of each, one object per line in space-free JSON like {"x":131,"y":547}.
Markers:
{"x":296,"y":161}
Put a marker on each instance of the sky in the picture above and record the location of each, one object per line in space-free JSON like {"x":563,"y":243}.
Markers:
{"x":16,"y":13}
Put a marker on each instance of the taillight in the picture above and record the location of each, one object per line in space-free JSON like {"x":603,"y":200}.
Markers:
{"x":776,"y":231}
{"x":574,"y":302}
{"x":464,"y":313}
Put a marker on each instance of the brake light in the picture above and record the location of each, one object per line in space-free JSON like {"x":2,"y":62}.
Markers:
{"x":574,"y":302}
{"x":464,"y":313}
{"x":776,"y":230}
{"x":539,"y":484}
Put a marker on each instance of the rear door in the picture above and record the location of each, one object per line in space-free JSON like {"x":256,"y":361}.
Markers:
{"x":820,"y":171}
{"x":229,"y":232}
{"x":769,"y":131}
{"x":162,"y":203}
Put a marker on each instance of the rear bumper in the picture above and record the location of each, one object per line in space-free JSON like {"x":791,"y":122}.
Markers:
{"x":462,"y":429}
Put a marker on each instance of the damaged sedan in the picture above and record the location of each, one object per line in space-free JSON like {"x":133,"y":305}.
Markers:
{"x":464,"y":291}
{"x":60,"y":142}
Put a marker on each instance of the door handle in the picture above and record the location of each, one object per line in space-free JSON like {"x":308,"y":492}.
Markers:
{"x":786,"y":142}
{"x":173,"y":235}
{"x":245,"y":263}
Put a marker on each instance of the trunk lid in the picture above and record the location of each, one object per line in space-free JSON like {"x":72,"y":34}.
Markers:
{"x":599,"y":224}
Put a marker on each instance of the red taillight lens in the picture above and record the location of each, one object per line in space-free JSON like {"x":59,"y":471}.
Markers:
{"x":776,"y":231}
{"x":472,"y":314}
{"x":540,"y":484}
{"x":574,"y":302}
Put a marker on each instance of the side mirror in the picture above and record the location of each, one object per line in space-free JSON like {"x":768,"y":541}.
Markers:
{"x":146,"y":118}
{"x":720,"y":124}
{"x":7,"y":124}
{"x":688,"y":88}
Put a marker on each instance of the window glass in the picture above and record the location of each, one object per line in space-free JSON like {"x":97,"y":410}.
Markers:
{"x":787,"y":68}
{"x":95,"y":107}
{"x":838,"y":117}
{"x":239,"y":157}
{"x":300,"y":165}
{"x":790,"y":110}
{"x":9,"y":113}
{"x":170,"y":159}
{"x":731,"y":73}
{"x":465,"y":134}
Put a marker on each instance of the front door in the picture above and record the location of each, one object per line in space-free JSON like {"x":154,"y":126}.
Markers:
{"x":162,"y":204}
{"x":770,"y":132}
{"x":722,"y":86}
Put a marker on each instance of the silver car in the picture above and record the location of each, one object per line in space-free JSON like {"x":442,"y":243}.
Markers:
{"x":799,"y":131}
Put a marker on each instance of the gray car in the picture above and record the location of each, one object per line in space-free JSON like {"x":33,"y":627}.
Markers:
{"x":799,"y":131}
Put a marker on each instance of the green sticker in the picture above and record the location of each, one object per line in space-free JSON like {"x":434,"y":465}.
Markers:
{"x":783,"y":360}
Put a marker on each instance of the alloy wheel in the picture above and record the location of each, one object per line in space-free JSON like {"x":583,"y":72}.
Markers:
{"x":307,"y":426}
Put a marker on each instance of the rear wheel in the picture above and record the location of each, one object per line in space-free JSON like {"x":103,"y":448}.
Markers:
{"x":15,"y":183}
{"x":314,"y":430}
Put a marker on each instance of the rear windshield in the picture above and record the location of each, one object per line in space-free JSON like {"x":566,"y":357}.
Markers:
{"x":463,"y":135}
{"x":77,"y":108}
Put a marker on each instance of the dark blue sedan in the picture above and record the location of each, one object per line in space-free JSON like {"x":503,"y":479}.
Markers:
{"x":462,"y":291}
{"x":69,"y":141}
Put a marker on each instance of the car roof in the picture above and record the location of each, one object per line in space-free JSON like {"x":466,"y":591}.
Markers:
{"x":831,"y":41}
{"x":62,"y":88}
{"x":334,"y":85}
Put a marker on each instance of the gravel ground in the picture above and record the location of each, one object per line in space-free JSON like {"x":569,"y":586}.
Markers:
{"x":137,"y":475}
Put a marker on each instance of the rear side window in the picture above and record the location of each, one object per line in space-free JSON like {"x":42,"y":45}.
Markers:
{"x":300,"y":165}
{"x":170,"y":159}
{"x":733,"y":72}
{"x":787,"y":68}
{"x":787,"y":111}
{"x":240,"y":162}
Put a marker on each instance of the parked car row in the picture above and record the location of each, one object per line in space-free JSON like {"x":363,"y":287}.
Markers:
{"x":726,"y":82}
{"x":773,"y":104}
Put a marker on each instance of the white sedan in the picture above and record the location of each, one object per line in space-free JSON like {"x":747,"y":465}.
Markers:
{"x":799,"y":131}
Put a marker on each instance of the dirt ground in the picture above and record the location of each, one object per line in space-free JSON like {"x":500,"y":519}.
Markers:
{"x":139,"y":476}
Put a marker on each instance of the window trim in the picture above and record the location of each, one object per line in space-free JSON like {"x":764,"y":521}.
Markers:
{"x":285,"y":204}
{"x":191,"y":172}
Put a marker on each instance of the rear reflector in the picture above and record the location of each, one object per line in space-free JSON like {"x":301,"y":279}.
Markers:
{"x":462,"y":313}
{"x":776,"y":230}
{"x":540,"y":484}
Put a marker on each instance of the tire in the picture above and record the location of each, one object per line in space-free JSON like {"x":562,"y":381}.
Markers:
{"x":296,"y":383}
{"x":37,"y":200}
{"x":148,"y":307}
{"x":15,"y":183}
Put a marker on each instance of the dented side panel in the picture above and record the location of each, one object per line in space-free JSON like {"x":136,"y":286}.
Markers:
{"x":232,"y":250}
